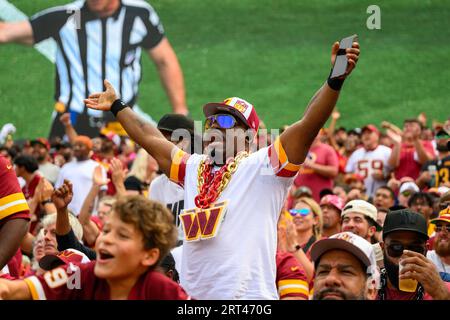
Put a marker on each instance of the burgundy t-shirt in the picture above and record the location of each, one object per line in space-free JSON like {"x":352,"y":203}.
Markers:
{"x":321,"y":154}
{"x":54,"y":285}
{"x":409,"y":166}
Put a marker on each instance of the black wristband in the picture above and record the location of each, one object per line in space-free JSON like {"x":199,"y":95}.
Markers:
{"x":117,"y":106}
{"x":335,"y":83}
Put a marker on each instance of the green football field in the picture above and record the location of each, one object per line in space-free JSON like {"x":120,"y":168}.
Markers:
{"x":273,"y":53}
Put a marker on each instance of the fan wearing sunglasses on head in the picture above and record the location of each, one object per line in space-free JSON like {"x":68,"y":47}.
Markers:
{"x":233,"y":197}
{"x":404,"y":242}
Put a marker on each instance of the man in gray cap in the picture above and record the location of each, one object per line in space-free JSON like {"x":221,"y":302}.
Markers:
{"x":345,"y":268}
{"x":404,"y":242}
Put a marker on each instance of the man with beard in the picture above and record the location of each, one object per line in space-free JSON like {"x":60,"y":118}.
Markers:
{"x":441,"y":253}
{"x":345,"y":268}
{"x":436,"y":172}
{"x":40,"y":152}
{"x":79,"y":172}
{"x":233,"y":198}
{"x":405,"y":236}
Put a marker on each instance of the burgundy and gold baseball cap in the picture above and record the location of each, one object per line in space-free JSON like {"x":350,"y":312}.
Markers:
{"x":52,"y":261}
{"x":238,"y":107}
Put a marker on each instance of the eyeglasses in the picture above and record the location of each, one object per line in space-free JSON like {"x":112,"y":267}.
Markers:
{"x":440,"y":227}
{"x":225,"y":121}
{"x":300,"y":212}
{"x":396,"y":250}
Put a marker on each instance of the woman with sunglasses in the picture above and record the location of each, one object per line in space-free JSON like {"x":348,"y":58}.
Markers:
{"x":303,"y":231}
{"x":307,"y":218}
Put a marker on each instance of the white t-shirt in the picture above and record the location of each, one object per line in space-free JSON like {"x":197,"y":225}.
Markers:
{"x":80,"y":174}
{"x":364,"y":162}
{"x":177,"y":253}
{"x":440,"y":265}
{"x":239,"y":262}
{"x":49,"y":171}
{"x":171,"y":194}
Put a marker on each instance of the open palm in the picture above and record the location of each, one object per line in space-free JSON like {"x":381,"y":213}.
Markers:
{"x":98,"y":177}
{"x":102,"y":100}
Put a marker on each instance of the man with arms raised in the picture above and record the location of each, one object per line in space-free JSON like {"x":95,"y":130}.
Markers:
{"x":232,"y":257}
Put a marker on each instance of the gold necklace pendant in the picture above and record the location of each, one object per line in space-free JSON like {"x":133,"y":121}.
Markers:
{"x":207,"y":194}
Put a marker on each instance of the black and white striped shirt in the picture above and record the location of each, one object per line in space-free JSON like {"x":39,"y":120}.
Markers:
{"x":90,"y":49}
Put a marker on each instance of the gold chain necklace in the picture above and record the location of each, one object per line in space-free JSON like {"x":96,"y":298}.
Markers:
{"x":210,"y":185}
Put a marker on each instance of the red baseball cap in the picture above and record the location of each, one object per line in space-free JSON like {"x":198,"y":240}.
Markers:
{"x":52,"y":261}
{"x":238,"y":107}
{"x":371,"y":128}
{"x":42,"y":141}
{"x":353,"y":177}
{"x":334,"y":200}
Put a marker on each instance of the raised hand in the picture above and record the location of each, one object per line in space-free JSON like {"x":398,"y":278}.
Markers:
{"x":117,"y":171}
{"x":291,"y":236}
{"x":422,"y":117}
{"x":62,"y":196}
{"x":65,"y":119}
{"x":396,"y":138}
{"x":102,"y":100}
{"x":45,"y":189}
{"x":351,"y":53}
{"x":98,"y":177}
{"x":335,"y":115}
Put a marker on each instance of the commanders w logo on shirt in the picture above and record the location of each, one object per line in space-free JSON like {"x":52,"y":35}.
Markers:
{"x":203,"y":223}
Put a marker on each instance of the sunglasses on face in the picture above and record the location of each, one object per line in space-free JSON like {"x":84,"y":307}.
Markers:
{"x":300,"y":212}
{"x":396,"y":250}
{"x":440,"y":227}
{"x":225,"y":121}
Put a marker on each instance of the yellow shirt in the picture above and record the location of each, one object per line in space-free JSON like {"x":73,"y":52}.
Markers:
{"x":431,"y":228}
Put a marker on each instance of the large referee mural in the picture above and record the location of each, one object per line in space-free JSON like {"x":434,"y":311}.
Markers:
{"x":99,"y":40}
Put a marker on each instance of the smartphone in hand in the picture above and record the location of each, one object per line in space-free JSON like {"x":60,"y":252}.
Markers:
{"x":340,"y":64}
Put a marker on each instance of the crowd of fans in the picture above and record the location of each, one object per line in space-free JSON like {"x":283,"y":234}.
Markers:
{"x":361,"y":201}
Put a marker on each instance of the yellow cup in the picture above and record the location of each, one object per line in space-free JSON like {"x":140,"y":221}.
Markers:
{"x":407,"y":285}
